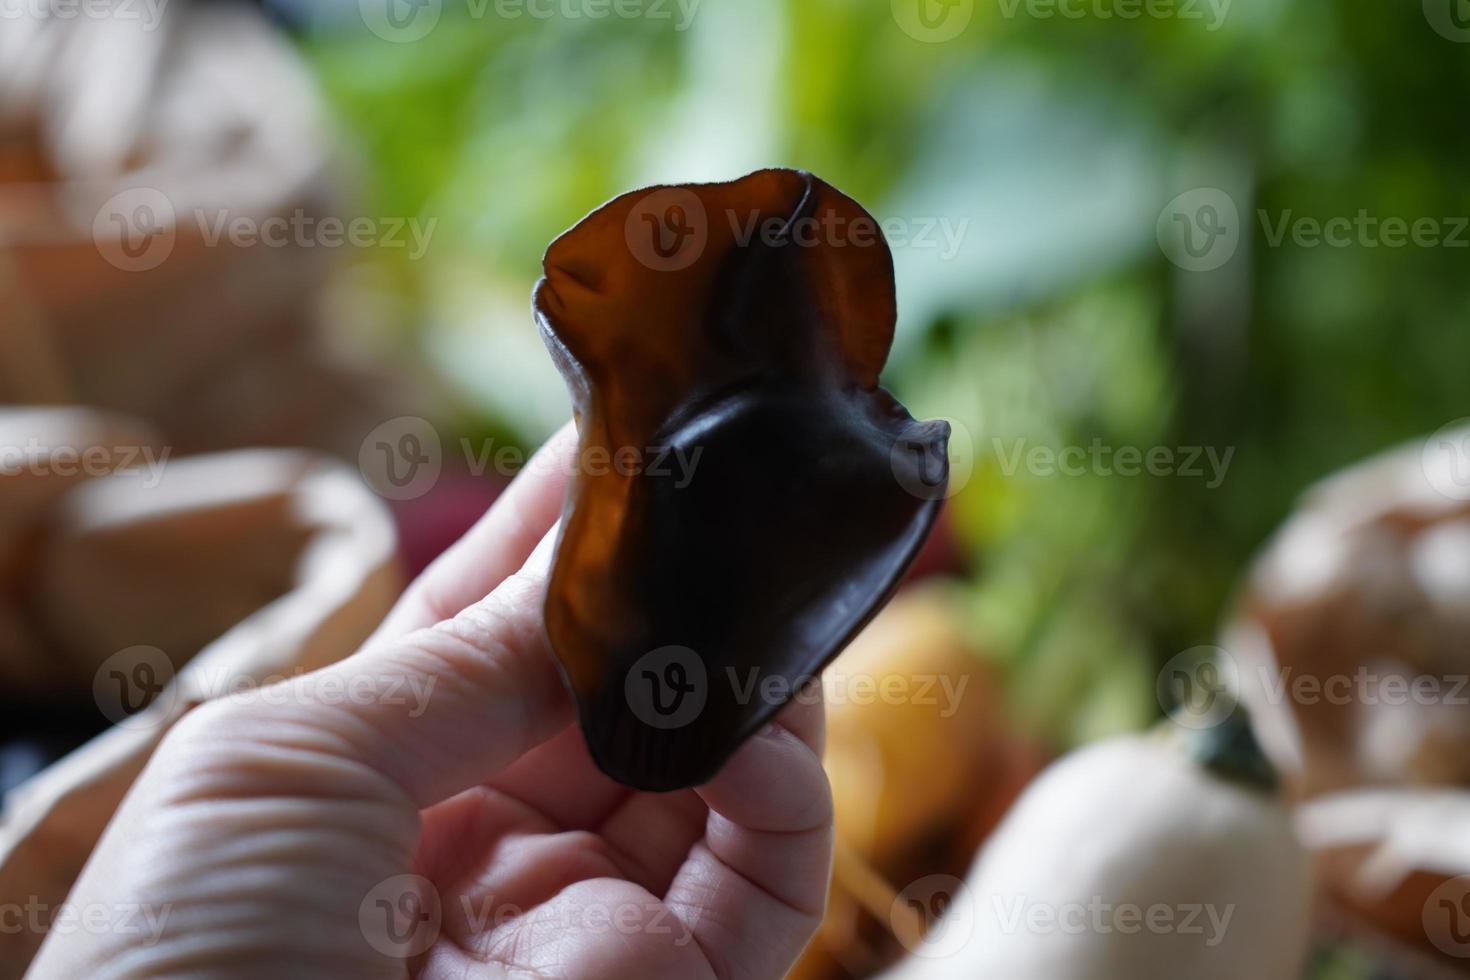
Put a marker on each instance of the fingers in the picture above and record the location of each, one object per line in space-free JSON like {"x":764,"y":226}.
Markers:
{"x":651,"y":832}
{"x":765,"y":801}
{"x":593,"y":929}
{"x":495,"y":547}
{"x":754,"y":890}
{"x":652,"y":835}
{"x":806,"y":718}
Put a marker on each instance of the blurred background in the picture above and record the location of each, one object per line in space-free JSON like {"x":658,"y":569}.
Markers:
{"x":1165,"y":266}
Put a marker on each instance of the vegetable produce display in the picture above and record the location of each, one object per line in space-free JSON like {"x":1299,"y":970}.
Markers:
{"x":746,"y":496}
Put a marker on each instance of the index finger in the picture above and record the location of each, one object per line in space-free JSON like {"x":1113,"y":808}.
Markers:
{"x":498,"y":544}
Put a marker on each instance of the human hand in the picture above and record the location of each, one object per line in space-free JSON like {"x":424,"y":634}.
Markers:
{"x":305,"y":836}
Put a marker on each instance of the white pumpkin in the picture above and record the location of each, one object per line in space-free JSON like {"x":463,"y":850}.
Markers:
{"x":1130,"y":859}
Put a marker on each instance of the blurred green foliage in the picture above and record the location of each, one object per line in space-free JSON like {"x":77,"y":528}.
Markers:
{"x":1058,"y":321}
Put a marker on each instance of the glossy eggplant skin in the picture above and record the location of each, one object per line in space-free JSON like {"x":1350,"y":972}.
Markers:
{"x":746,"y":496}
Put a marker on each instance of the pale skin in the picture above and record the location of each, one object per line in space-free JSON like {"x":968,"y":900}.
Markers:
{"x":260,"y":829}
